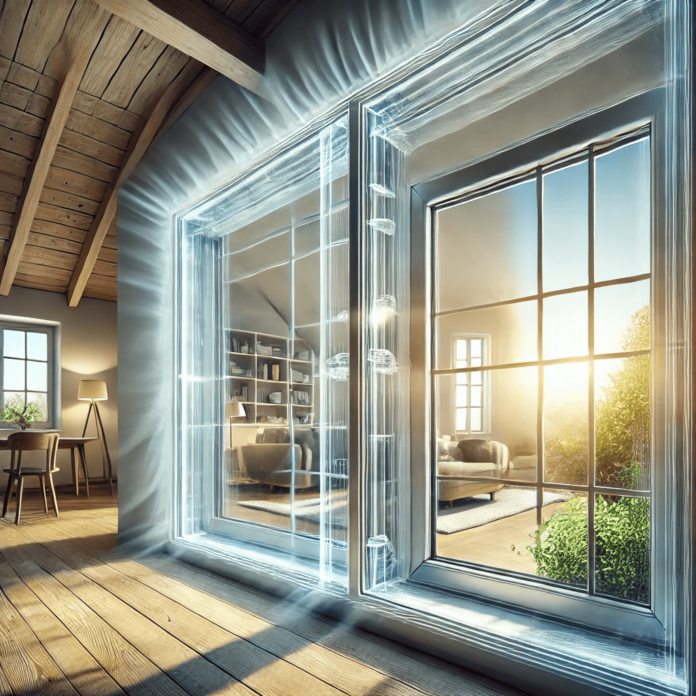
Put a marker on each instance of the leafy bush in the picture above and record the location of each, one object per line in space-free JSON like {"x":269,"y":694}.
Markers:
{"x":622,"y":543}
{"x":14,"y":408}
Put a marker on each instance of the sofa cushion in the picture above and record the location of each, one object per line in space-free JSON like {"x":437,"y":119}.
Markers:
{"x":475,"y":450}
{"x":447,"y":448}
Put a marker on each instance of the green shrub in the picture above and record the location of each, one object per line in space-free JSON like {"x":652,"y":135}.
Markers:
{"x":622,"y":543}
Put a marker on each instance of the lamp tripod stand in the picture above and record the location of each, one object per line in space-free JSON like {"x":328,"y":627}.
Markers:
{"x":93,"y":391}
{"x":106,"y":459}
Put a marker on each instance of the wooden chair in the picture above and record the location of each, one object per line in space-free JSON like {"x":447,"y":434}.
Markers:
{"x":18,"y":443}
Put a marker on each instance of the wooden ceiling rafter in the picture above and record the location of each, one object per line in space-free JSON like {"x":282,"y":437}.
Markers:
{"x":199,"y":30}
{"x":94,"y":20}
{"x":107,"y":210}
{"x":135,"y":86}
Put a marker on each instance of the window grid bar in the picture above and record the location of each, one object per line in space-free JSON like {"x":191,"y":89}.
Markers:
{"x":590,"y":387}
{"x":540,"y":347}
{"x":543,"y":363}
{"x":518,"y":483}
{"x":550,"y":293}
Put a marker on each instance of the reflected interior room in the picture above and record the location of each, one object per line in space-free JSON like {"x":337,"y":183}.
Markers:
{"x":347,"y":348}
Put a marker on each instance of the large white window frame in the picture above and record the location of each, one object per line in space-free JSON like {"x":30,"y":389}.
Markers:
{"x":52,"y":364}
{"x":499,"y":593}
{"x":529,"y":592}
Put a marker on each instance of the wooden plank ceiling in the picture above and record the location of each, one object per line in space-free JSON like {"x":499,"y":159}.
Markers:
{"x":84,"y":94}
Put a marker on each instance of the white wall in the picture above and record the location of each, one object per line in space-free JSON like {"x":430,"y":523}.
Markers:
{"x":89,"y":350}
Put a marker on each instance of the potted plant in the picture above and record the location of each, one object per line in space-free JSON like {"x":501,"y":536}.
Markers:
{"x":16,"y":412}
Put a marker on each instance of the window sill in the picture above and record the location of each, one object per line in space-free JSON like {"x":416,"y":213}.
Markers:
{"x":589,"y":658}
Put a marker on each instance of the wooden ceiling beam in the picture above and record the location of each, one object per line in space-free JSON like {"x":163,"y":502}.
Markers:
{"x":199,"y":30}
{"x":77,"y":57}
{"x":140,"y":144}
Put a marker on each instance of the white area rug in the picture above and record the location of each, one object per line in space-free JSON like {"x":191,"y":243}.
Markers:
{"x":307,"y":509}
{"x":480,"y":509}
{"x":466,"y":514}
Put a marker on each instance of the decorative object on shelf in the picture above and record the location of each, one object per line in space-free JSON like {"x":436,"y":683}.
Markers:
{"x":302,"y":355}
{"x":235,"y":344}
{"x":94,"y":390}
{"x":263,"y":350}
{"x":244,"y":348}
{"x":245,"y":392}
{"x":275,"y":372}
{"x":337,"y":367}
{"x":301,"y":398}
{"x":265,"y":371}
{"x":275,"y":397}
{"x":277,"y":351}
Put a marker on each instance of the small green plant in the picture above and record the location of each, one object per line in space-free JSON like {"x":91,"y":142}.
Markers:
{"x":622,"y":542}
{"x":15,"y":411}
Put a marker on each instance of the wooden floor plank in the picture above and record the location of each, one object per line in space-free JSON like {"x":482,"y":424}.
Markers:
{"x":390,"y":659}
{"x":343,"y":673}
{"x":76,"y":663}
{"x":193,"y":673}
{"x":28,"y":667}
{"x":260,"y":669}
{"x":71,"y":566}
{"x":126,"y":665}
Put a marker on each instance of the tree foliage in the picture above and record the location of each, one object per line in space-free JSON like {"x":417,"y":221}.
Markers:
{"x":622,"y":417}
{"x":14,"y":408}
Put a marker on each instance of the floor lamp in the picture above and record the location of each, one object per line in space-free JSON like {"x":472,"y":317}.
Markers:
{"x":94,"y":390}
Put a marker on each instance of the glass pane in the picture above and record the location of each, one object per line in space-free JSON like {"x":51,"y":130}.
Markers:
{"x":13,"y":377}
{"x":495,"y":525}
{"x":462,"y":395}
{"x":37,"y":376}
{"x":37,"y":346}
{"x":477,"y":395}
{"x":622,"y":212}
{"x":507,"y":415}
{"x":475,"y":378}
{"x":622,"y":547}
{"x":13,"y":399}
{"x":565,"y":227}
{"x":38,"y":406}
{"x":622,"y":423}
{"x":559,"y":546}
{"x":476,"y":420}
{"x":512,"y":332}
{"x":566,"y":425}
{"x":461,"y":349}
{"x":486,"y":249}
{"x":461,"y":420}
{"x":14,"y":343}
{"x":565,"y":326}
{"x":622,"y":318}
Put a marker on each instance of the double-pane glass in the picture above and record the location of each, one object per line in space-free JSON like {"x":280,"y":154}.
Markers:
{"x":267,"y":262}
{"x":580,"y":415}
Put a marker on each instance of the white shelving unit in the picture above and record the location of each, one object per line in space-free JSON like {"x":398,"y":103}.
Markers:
{"x":250,"y":383}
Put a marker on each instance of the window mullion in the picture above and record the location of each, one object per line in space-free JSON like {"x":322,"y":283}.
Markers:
{"x":540,"y":347}
{"x":591,"y":381}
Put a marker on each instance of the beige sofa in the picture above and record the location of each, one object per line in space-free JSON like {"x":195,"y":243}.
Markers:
{"x":475,"y":458}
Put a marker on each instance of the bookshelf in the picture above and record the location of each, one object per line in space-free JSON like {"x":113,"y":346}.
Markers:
{"x":267,"y":374}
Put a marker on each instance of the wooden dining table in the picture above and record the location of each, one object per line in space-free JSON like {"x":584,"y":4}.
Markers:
{"x":74,"y":444}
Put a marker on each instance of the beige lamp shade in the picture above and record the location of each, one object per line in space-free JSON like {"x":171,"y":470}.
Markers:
{"x":92,"y":390}
{"x":234,"y":409}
